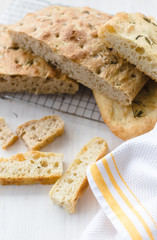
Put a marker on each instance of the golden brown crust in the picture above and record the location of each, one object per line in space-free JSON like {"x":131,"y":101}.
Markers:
{"x":12,"y":177}
{"x":134,"y":37}
{"x":23,"y":65}
{"x":26,"y":181}
{"x":78,"y":41}
{"x":130,"y":121}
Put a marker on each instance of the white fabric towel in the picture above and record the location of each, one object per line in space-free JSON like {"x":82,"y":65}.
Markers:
{"x":125,"y":185}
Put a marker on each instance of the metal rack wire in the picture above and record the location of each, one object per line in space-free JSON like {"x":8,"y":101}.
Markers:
{"x":81,"y":104}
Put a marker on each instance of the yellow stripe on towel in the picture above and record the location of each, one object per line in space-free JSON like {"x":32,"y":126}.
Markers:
{"x":131,"y":191}
{"x":118,"y":211}
{"x":125,"y":199}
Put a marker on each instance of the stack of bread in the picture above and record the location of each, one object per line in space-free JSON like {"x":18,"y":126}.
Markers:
{"x":54,"y":49}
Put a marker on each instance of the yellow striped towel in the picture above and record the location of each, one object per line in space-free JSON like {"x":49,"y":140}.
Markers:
{"x":125,"y":185}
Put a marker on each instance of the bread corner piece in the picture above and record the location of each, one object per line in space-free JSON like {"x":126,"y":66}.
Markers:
{"x":134,"y":37}
{"x":39,"y":133}
{"x":67,"y":37}
{"x":30,"y":168}
{"x":7,"y":137}
{"x":70,"y":187}
{"x":21,"y":71}
{"x":130,"y":121}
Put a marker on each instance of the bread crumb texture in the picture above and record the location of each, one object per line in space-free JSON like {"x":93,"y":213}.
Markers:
{"x":130,"y":121}
{"x":22,"y":71}
{"x":30,"y":168}
{"x":7,"y":137}
{"x":39,"y":133}
{"x":70,"y":187}
{"x":134,"y":37}
{"x":67,"y":37}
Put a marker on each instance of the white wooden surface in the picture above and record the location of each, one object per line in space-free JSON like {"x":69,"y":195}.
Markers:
{"x":26,"y":212}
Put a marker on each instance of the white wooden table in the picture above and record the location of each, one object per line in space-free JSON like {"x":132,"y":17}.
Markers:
{"x":26,"y":212}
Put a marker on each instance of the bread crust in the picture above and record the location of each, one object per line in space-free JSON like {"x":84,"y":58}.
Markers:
{"x":70,"y":204}
{"x":134,"y":37}
{"x":40,"y":134}
{"x":21,"y":71}
{"x":75,"y":48}
{"x":130,"y":121}
{"x":35,"y":177}
{"x":7,"y":137}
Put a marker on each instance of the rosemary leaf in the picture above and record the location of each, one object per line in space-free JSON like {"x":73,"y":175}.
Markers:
{"x":149,"y":41}
{"x":114,"y":60}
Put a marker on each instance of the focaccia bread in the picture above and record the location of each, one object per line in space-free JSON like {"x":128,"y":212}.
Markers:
{"x":21,"y":71}
{"x":134,"y":37}
{"x":67,"y":37}
{"x":39,"y":133}
{"x":7,"y":137}
{"x":30,"y":168}
{"x":130,"y":121}
{"x":70,"y":187}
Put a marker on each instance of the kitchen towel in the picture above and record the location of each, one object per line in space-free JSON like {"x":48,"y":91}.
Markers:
{"x":125,"y":185}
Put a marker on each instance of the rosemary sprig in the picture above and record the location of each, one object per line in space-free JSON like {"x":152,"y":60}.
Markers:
{"x":149,"y":41}
{"x":149,"y":21}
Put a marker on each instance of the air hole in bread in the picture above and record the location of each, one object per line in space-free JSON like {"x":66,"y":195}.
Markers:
{"x":78,"y":161}
{"x":56,"y":165}
{"x":133,"y":75}
{"x":16,"y":61}
{"x":36,"y":156}
{"x":44,"y":163}
{"x":81,"y":46}
{"x":132,"y":47}
{"x":33,"y":128}
{"x":149,"y":59}
{"x":98,"y":70}
{"x":70,"y":181}
{"x":140,"y":50}
{"x":57,"y":35}
{"x":49,"y":171}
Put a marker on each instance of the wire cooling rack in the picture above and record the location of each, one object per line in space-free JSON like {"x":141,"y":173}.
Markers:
{"x":81,"y":104}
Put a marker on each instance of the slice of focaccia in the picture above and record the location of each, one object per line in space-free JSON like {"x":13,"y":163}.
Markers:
{"x":70,"y":187}
{"x":30,"y":168}
{"x":7,"y":137}
{"x":130,"y":121}
{"x":39,"y":133}
{"x":21,"y":71}
{"x":67,"y":37}
{"x":134,"y":37}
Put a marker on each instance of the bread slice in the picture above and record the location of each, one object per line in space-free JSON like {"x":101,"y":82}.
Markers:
{"x":7,"y":137}
{"x":21,"y":71}
{"x":39,"y":133}
{"x":30,"y":168}
{"x":72,"y":184}
{"x":134,"y":36}
{"x":67,"y":38}
{"x":130,"y":121}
